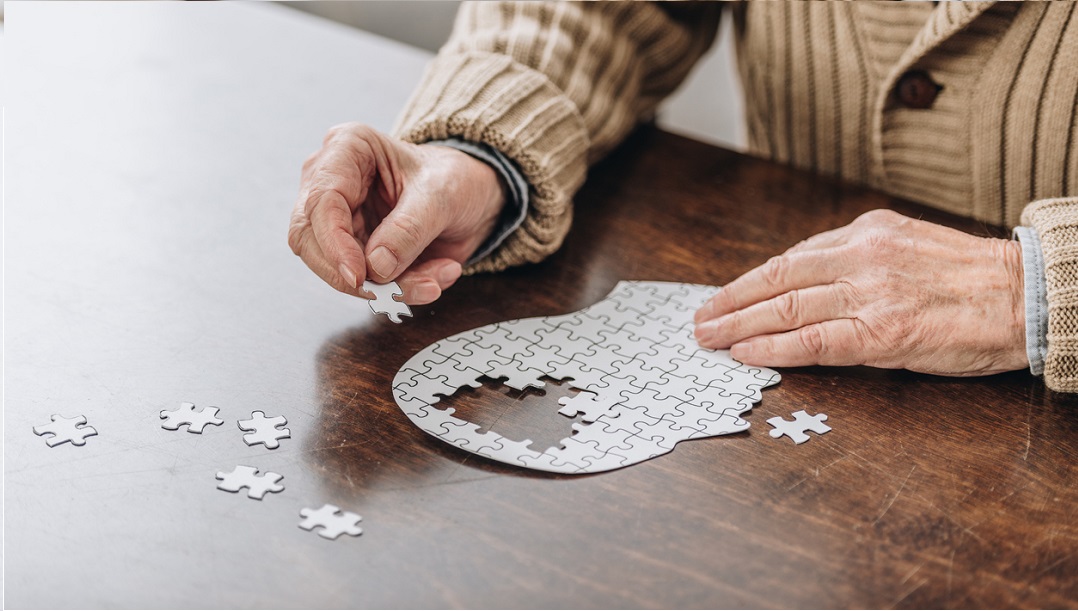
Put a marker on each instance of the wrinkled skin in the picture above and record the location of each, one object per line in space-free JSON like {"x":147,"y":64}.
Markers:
{"x":375,"y":207}
{"x":886,"y":291}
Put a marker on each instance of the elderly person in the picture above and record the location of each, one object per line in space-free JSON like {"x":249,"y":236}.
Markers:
{"x":967,"y":107}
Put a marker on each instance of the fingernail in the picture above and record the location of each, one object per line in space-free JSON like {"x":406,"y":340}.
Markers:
{"x":348,"y":275}
{"x":383,"y":262}
{"x":741,"y":351}
{"x":426,"y":292}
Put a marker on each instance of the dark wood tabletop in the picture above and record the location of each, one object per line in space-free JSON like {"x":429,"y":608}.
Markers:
{"x":149,"y":290}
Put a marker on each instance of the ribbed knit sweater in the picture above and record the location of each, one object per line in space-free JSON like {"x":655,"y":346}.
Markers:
{"x":555,"y":86}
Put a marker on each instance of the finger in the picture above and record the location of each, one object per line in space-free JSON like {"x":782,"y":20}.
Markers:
{"x":424,"y":283}
{"x":833,"y":342}
{"x":779,"y":275}
{"x":403,"y":235}
{"x":788,"y":311}
{"x":331,"y":223}
{"x":301,"y":237}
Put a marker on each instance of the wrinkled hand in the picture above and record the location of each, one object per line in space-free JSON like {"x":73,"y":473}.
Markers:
{"x":886,"y":291}
{"x":371,"y":206}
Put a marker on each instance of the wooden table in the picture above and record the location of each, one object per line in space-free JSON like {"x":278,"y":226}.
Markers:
{"x":153,"y":153}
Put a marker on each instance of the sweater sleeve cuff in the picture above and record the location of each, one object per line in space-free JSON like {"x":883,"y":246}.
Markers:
{"x":490,"y":99}
{"x":516,"y":209}
{"x":1036,"y":298}
{"x":1055,"y":222}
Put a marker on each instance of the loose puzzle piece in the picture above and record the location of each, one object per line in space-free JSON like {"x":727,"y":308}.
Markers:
{"x":65,"y":430}
{"x":333,"y":521}
{"x":384,"y":303}
{"x":264,"y":430}
{"x":796,"y":430}
{"x":645,"y":384}
{"x":196,"y":420}
{"x":246,"y":477}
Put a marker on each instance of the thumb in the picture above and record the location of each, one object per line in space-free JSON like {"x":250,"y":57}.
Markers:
{"x":403,"y":235}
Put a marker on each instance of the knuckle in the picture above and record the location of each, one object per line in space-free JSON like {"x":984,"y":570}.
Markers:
{"x":812,"y":339}
{"x":877,"y":242}
{"x":296,"y":238}
{"x":344,"y":130}
{"x":734,"y":322}
{"x":408,"y":226}
{"x":776,"y":270}
{"x":848,"y":296}
{"x":788,"y":307}
{"x":878,"y":217}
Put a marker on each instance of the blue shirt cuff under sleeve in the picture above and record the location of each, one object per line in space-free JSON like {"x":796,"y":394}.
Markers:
{"x":1036,"y":298}
{"x":516,"y":208}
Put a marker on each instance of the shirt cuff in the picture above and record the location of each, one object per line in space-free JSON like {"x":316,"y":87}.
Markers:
{"x":516,"y":208}
{"x":1036,"y":298}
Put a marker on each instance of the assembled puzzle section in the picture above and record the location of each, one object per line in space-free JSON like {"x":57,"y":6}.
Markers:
{"x":644,"y":382}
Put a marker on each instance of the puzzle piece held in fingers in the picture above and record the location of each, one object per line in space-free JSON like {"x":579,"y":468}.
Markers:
{"x":384,"y":302}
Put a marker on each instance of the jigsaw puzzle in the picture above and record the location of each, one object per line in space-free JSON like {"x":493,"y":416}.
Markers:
{"x":796,"y":430}
{"x":384,"y":303}
{"x":65,"y":430}
{"x":644,"y":382}
{"x":195,"y":419}
{"x":333,"y":521}
{"x":247,"y":477}
{"x":264,"y":430}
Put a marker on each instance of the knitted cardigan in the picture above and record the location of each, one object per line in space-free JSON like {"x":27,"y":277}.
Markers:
{"x":554,"y":86}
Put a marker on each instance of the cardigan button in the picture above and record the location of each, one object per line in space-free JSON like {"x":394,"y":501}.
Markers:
{"x":915,"y":89}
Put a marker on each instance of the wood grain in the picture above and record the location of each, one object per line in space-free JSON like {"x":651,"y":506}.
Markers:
{"x":150,"y":170}
{"x":929,"y":491}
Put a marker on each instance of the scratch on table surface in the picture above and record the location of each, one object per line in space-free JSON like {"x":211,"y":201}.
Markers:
{"x":911,"y":573}
{"x":907,"y":593}
{"x":1029,"y":431}
{"x":1055,"y":564}
{"x":895,"y":497}
{"x":950,"y":571}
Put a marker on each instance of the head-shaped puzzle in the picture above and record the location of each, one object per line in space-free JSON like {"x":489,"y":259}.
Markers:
{"x":645,"y":383}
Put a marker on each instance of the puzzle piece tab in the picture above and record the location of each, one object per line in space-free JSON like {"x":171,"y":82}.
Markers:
{"x":196,"y":420}
{"x":65,"y":430}
{"x":796,"y":429}
{"x":264,"y":430}
{"x":333,"y":521}
{"x":384,"y":303}
{"x":246,"y":477}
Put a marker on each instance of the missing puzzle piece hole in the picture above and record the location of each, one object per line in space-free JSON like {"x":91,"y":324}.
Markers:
{"x":517,"y":415}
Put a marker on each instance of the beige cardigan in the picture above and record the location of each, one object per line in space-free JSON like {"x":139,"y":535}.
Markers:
{"x":554,"y":86}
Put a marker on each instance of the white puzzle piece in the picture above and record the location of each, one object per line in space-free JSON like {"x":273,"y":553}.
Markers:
{"x":247,"y":477}
{"x":263,"y":430}
{"x":384,"y":303}
{"x":195,"y":419}
{"x":645,"y":383}
{"x":65,"y":430}
{"x":331,"y":521}
{"x":796,"y":430}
